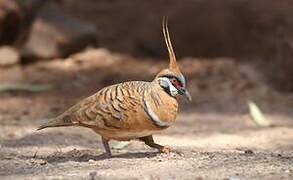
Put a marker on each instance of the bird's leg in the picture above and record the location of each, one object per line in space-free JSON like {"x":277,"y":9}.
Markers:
{"x":107,"y":147}
{"x":148,"y":140}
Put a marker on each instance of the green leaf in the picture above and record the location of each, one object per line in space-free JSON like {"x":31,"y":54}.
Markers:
{"x":257,"y":115}
{"x":25,"y":87}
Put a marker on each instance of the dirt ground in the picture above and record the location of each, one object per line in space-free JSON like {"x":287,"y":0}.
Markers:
{"x":214,"y":135}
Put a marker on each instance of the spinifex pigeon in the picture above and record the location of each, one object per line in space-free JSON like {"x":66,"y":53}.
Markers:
{"x":131,"y":110}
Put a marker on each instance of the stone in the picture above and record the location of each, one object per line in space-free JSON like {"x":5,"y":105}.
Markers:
{"x":56,"y":34}
{"x":8,"y":56}
{"x":10,"y":20}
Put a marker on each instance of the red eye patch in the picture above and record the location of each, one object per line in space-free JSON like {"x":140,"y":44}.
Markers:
{"x":176,"y":83}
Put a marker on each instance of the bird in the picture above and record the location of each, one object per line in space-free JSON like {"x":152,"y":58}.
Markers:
{"x":133,"y":110}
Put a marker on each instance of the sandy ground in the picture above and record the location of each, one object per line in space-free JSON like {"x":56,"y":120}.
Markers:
{"x":214,"y":136}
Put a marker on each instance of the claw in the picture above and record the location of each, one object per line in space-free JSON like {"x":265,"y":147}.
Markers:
{"x":165,"y":149}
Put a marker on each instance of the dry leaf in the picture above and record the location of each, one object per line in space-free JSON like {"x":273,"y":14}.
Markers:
{"x":257,"y":115}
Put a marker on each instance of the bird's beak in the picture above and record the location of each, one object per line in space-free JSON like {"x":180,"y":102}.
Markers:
{"x":183,"y":91}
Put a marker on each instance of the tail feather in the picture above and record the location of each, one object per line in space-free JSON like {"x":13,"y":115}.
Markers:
{"x":57,"y":122}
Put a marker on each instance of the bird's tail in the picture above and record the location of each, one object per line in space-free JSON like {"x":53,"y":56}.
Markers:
{"x":57,"y":122}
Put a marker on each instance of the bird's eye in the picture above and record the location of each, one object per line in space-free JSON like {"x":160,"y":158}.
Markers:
{"x":174,"y":81}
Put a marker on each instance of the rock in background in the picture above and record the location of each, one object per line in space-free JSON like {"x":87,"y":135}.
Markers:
{"x":8,"y":56}
{"x":40,"y":29}
{"x":56,"y":34}
{"x":10,"y":22}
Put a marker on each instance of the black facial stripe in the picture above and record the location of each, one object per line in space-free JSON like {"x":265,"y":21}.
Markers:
{"x":167,"y":90}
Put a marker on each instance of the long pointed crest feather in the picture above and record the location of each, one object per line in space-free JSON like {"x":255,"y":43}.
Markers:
{"x":172,"y":58}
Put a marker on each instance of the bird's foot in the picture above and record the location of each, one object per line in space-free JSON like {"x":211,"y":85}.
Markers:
{"x":167,"y":150}
{"x":106,"y":155}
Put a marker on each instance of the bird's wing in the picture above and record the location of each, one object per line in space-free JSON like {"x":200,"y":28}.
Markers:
{"x":111,"y":107}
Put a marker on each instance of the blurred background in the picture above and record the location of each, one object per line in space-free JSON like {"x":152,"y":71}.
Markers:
{"x":235,"y":54}
{"x":244,"y":30}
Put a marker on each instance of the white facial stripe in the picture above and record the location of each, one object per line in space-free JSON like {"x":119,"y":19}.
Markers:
{"x":153,"y":116}
{"x":173,"y":90}
{"x":165,"y":82}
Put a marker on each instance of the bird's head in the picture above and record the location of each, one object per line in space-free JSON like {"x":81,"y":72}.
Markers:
{"x":171,"y":79}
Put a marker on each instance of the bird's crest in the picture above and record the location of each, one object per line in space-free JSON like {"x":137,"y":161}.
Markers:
{"x":172,"y":58}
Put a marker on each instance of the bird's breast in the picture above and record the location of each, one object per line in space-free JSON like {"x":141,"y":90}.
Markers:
{"x":160,"y":107}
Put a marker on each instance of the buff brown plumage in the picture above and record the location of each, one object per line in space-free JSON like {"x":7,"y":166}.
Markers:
{"x":130,"y":110}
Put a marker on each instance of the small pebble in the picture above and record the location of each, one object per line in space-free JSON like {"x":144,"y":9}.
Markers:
{"x":91,"y":161}
{"x":248,"y":151}
{"x":43,"y":163}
